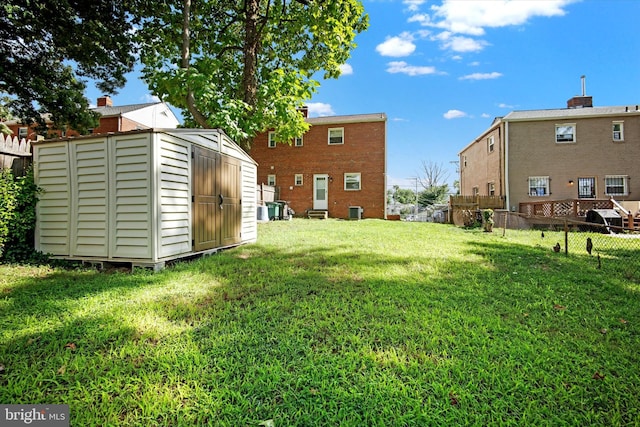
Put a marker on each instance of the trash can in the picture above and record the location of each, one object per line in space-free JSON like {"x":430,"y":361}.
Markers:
{"x":274,"y":210}
{"x":284,"y":209}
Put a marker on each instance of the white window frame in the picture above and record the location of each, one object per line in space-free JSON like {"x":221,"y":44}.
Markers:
{"x":535,"y":183}
{"x":298,"y":179}
{"x":272,"y":140}
{"x":341,"y":130}
{"x":490,"y":144}
{"x":564,"y":140}
{"x":617,"y":135}
{"x":491,"y":188}
{"x":625,"y":185}
{"x":23,"y":133}
{"x":351,"y":178}
{"x":271,"y":180}
{"x":475,"y":191}
{"x":298,"y":141}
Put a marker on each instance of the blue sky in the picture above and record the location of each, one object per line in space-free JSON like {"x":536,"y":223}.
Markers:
{"x":443,"y":70}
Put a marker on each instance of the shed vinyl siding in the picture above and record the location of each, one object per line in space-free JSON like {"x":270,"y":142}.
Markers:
{"x":249,"y":202}
{"x":51,"y":170}
{"x":130,"y":199}
{"x":89,"y":206}
{"x":175,"y":198}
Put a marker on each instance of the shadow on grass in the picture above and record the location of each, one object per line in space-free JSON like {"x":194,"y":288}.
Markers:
{"x":331,"y":335}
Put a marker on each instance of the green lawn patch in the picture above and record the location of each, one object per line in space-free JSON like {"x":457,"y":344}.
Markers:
{"x":326,"y":323}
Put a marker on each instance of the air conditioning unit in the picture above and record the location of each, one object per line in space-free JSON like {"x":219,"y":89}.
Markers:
{"x":355,"y":212}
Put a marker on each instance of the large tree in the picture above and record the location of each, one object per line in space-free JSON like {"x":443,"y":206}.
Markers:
{"x":432,"y":178}
{"x":48,"y":48}
{"x":247,"y":65}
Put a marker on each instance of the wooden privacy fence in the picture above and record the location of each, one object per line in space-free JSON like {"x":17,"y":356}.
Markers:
{"x":15,"y":154}
{"x":267,"y":193}
{"x":462,"y":205}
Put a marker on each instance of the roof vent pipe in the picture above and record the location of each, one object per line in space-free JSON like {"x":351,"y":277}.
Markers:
{"x":584,"y":85}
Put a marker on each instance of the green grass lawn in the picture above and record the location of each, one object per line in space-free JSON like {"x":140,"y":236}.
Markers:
{"x":327,"y":323}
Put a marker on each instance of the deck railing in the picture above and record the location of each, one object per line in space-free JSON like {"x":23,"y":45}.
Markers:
{"x":572,"y":208}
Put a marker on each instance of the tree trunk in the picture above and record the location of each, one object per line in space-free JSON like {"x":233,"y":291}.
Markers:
{"x":191,"y":100}
{"x":250,"y":53}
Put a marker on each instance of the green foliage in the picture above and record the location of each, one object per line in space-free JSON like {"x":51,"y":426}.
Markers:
{"x":18,"y":218}
{"x":247,"y":72}
{"x":48,"y":46}
{"x":8,"y":190}
{"x":433,"y":195}
{"x":404,"y":196}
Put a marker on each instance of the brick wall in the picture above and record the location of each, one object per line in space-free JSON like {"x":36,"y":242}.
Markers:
{"x":363,"y":152}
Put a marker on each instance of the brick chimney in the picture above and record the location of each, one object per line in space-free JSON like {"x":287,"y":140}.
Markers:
{"x":580,"y":102}
{"x":304,"y":110}
{"x":105,"y":101}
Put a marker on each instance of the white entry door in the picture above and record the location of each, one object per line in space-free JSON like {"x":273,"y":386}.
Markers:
{"x":321,"y":191}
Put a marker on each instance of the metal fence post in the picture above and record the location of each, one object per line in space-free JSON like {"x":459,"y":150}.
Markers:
{"x":566,"y":238}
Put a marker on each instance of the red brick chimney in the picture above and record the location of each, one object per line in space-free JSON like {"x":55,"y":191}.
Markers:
{"x":105,"y":101}
{"x":580,"y":102}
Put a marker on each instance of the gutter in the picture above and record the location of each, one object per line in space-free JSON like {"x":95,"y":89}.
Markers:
{"x":506,"y":165}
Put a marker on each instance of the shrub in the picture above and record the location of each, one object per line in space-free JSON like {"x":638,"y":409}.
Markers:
{"x":18,"y":198}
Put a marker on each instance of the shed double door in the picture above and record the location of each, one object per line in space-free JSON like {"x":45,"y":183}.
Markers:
{"x":217,"y":211}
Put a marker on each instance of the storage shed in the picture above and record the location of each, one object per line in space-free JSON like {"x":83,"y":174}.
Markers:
{"x":143,"y":197}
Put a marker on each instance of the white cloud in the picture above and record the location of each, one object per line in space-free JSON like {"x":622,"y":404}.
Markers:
{"x":320,"y":109}
{"x":413,"y":5}
{"x":397,"y":46}
{"x":481,"y":76}
{"x":346,"y":70}
{"x":460,"y":19}
{"x":411,"y":70}
{"x":460,"y":43}
{"x":485,"y":115}
{"x":474,"y":64}
{"x":454,"y":114}
{"x":503,"y":105}
{"x":150,"y":98}
{"x":472,"y":17}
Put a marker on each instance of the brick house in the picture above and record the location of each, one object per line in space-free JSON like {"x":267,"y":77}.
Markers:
{"x":579,"y":152}
{"x":112,"y":119}
{"x":338,"y":164}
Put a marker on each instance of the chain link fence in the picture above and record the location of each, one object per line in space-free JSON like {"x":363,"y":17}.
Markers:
{"x":613,"y":248}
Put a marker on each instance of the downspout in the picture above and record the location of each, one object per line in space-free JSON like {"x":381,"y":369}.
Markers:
{"x":506,"y":165}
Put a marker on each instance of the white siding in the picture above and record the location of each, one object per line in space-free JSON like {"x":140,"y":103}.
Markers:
{"x":89,"y":206}
{"x":249,"y":202}
{"x":130,"y":196}
{"x":174,"y":197}
{"x":51,"y":171}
